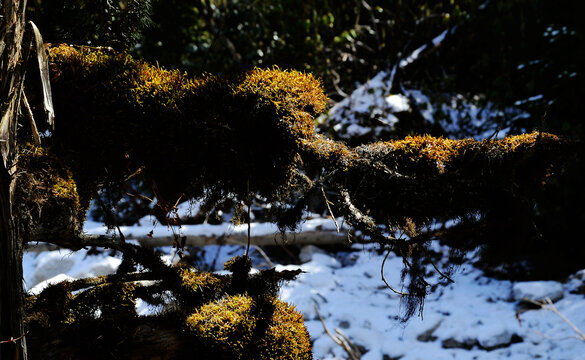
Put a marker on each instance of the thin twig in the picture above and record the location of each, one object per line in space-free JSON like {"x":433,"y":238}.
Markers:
{"x":443,"y":275}
{"x":12,"y":340}
{"x":384,"y":278}
{"x":327,"y":202}
{"x":249,"y":218}
{"x":263,"y":254}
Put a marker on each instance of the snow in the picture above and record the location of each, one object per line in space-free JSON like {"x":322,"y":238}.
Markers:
{"x":474,"y":318}
{"x":370,"y":101}
{"x":39,"y":267}
{"x":416,"y":53}
{"x":149,"y":225}
{"x":374,"y":110}
{"x":538,"y":290}
{"x":398,"y":103}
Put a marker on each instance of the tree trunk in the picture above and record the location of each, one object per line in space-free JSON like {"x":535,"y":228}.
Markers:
{"x":13,"y":345}
{"x":11,"y":289}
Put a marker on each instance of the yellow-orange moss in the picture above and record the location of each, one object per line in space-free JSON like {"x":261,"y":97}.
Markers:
{"x":49,"y":203}
{"x":237,"y":133}
{"x":202,"y":286}
{"x":422,"y":177}
{"x":230,"y":328}
{"x":49,"y":173}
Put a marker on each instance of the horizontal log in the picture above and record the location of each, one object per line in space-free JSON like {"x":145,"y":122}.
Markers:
{"x":302,"y":238}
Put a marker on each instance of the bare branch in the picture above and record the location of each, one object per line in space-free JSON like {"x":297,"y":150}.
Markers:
{"x":114,"y":278}
{"x":263,"y":254}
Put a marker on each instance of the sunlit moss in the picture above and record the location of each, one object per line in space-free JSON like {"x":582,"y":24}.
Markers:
{"x":238,"y":133}
{"x":421,"y":178}
{"x":204,"y":314}
{"x":200,"y":286}
{"x":242,"y":327}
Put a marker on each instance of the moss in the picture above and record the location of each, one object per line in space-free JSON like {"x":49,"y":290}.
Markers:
{"x":50,"y":171}
{"x":226,"y":135}
{"x":420,"y":178}
{"x":49,"y":203}
{"x":100,"y":321}
{"x":230,"y":328}
{"x":198,"y":287}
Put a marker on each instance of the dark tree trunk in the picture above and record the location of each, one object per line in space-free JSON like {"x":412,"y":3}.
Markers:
{"x":11,"y":289}
{"x":11,"y":81}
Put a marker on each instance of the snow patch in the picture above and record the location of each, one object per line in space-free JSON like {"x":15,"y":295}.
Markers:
{"x":538,"y":290}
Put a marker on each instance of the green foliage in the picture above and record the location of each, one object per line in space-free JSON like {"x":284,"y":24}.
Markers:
{"x":91,"y":22}
{"x":341,"y":41}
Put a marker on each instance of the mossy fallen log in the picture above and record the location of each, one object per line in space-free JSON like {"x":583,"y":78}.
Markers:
{"x":422,"y":178}
{"x":252,"y":135}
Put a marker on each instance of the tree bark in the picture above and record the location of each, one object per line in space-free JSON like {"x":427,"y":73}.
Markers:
{"x":12,"y":55}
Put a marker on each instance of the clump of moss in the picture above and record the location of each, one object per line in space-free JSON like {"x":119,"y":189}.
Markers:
{"x":199,"y":287}
{"x":224,"y":135}
{"x":96,"y":318}
{"x":243,"y":327}
{"x":422,"y":178}
{"x":49,"y":202}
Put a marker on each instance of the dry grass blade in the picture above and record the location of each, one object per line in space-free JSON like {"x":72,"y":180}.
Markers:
{"x":327,"y":202}
{"x":44,"y":70}
{"x":341,"y":339}
{"x":547,"y":304}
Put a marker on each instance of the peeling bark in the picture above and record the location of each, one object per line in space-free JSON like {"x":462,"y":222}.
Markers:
{"x":12,"y":71}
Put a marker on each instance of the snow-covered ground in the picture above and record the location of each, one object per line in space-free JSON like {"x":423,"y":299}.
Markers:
{"x":474,"y":318}
{"x":374,"y":111}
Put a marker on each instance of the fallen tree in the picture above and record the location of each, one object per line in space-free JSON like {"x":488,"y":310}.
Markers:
{"x":239,"y":138}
